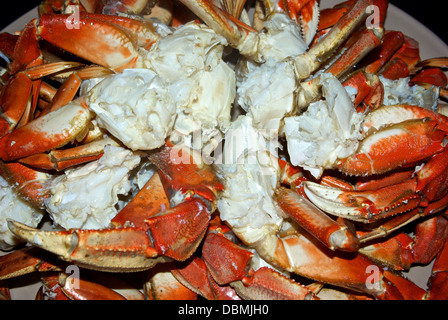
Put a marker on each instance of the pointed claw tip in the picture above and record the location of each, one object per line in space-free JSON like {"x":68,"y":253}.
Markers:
{"x":344,"y":240}
{"x":59,"y":243}
{"x":21,"y":230}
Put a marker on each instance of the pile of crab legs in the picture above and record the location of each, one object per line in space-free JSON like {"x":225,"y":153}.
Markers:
{"x":198,"y":251}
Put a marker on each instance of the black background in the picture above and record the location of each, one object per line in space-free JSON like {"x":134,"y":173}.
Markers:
{"x":432,"y":13}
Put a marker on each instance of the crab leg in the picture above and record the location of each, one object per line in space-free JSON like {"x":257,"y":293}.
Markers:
{"x":26,"y":181}
{"x":199,"y":185}
{"x":390,"y":226}
{"x":363,"y":44}
{"x":430,"y":76}
{"x":51,"y":285}
{"x":144,"y":32}
{"x":403,"y":61}
{"x":305,"y":64}
{"x":294,"y":203}
{"x":392,"y":41}
{"x":13,"y":109}
{"x":195,"y":275}
{"x":238,"y":34}
{"x":24,"y":261}
{"x":47,"y":92}
{"x":430,"y":201}
{"x":26,"y":51}
{"x":433,"y":177}
{"x":331,"y":233}
{"x":369,"y":88}
{"x":296,"y":253}
{"x":131,"y":247}
{"x":358,"y":48}
{"x":181,"y":242}
{"x":351,"y":272}
{"x":401,"y":251}
{"x":86,"y":290}
{"x":69,"y":88}
{"x":19,"y":97}
{"x":48,"y":132}
{"x":267,"y":284}
{"x":62,"y":159}
{"x":149,"y":201}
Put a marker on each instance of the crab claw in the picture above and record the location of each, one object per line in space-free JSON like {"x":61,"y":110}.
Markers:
{"x":138,"y":243}
{"x":395,"y":146}
{"x":50,"y":131}
{"x":386,"y":115}
{"x":26,"y":181}
{"x":193,"y":188}
{"x":310,"y":61}
{"x":364,"y":206}
{"x":124,"y":249}
{"x":309,"y":20}
{"x":238,"y":34}
{"x":96,"y":40}
{"x":227,"y":262}
{"x":177,"y":232}
{"x":185,"y":175}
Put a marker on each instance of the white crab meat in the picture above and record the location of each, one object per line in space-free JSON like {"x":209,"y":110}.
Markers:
{"x":139,"y":177}
{"x":184,"y":85}
{"x":266,"y":91}
{"x":281,"y":39}
{"x":135,"y":107}
{"x":250,"y":175}
{"x":201,"y":83}
{"x":86,"y":197}
{"x":327,"y":131}
{"x":399,"y":92}
{"x":15,"y":208}
{"x":267,"y":94}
